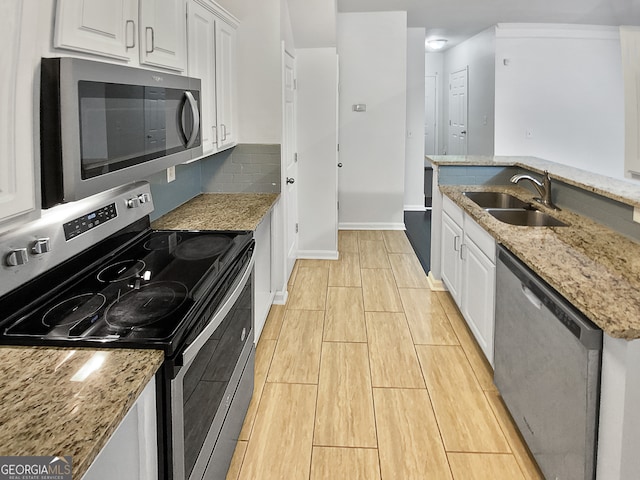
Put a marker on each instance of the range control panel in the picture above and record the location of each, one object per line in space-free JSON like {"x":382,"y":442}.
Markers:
{"x":91,"y":220}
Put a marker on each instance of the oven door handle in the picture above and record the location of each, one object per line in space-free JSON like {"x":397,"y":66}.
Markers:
{"x":192,"y":350}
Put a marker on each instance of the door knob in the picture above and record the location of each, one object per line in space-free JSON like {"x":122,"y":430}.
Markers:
{"x":340,"y":165}
{"x":290,"y":180}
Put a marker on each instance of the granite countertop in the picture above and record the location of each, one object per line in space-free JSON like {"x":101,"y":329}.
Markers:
{"x":44,"y":410}
{"x":593,"y":267}
{"x":219,"y":211}
{"x":623,"y":191}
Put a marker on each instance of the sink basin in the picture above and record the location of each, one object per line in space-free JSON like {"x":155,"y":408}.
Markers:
{"x":527,"y":218}
{"x":496,"y":200}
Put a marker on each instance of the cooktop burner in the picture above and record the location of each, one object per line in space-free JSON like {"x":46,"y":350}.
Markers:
{"x":73,"y":310}
{"x":123,"y":270}
{"x":142,"y":295}
{"x":202,"y":247}
{"x":146,"y":305}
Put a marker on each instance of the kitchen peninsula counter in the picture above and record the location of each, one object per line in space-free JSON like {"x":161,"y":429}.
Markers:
{"x":593,"y":266}
{"x":49,"y":407}
{"x":219,"y":211}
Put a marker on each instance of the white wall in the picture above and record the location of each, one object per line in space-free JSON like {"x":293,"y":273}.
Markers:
{"x":372,"y":49}
{"x":414,"y":153}
{"x":434,"y":66}
{"x":478,"y":53}
{"x":317,"y":132}
{"x":564,"y":85}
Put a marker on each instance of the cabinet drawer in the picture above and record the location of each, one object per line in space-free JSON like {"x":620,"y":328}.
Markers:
{"x":453,"y":210}
{"x":483,"y":240}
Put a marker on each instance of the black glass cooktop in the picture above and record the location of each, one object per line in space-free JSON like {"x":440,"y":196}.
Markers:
{"x":142,"y":295}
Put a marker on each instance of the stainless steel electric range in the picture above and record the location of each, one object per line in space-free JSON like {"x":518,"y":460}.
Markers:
{"x":93,"y":273}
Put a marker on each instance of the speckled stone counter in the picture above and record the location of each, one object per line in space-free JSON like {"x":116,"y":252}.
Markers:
{"x":613,"y":188}
{"x":593,"y":267}
{"x":45,"y":410}
{"x":219,"y":211}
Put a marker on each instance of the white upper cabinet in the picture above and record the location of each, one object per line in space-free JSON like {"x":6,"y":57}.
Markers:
{"x":98,"y":27}
{"x":151,"y":32}
{"x":17,"y":151}
{"x":225,"y":83}
{"x":163,"y":33}
{"x":202,"y":65}
{"x":212,"y":43}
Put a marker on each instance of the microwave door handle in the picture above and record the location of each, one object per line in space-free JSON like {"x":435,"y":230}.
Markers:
{"x":195,"y":114}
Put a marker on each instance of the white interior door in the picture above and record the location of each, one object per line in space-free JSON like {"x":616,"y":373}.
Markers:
{"x":290,"y":188}
{"x":458,"y":113}
{"x":430,"y":131}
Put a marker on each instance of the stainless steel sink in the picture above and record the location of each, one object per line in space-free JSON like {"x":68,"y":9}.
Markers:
{"x":527,"y":218}
{"x":496,"y":200}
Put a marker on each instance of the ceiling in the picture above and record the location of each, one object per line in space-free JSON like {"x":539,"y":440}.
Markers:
{"x":457,"y":20}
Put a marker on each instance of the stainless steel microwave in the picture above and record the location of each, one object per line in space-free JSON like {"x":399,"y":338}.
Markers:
{"x":105,"y":125}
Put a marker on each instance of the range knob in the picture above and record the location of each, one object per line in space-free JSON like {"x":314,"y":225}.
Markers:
{"x":144,"y":197}
{"x":42,"y":245}
{"x":133,"y":202}
{"x":17,"y":257}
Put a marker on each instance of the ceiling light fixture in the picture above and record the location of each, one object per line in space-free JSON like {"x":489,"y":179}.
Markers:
{"x":436,"y":43}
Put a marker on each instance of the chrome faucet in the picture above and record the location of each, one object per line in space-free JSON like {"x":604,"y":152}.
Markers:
{"x":543,"y":188}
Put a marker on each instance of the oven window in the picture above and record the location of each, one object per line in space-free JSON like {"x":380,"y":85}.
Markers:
{"x":206,"y":381}
{"x":124,"y":125}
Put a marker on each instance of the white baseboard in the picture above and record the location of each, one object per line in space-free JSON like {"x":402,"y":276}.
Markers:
{"x":280,"y":298}
{"x":436,"y":285}
{"x":415,"y":208}
{"x":318,"y":254}
{"x":371,"y":226}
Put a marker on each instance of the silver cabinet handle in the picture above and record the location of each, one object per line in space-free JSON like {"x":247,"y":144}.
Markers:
{"x":153,"y":39}
{"x":456,"y":245}
{"x":195,"y":114}
{"x":214,"y":129}
{"x":133,"y":34}
{"x":290,"y":180}
{"x":224,"y":131}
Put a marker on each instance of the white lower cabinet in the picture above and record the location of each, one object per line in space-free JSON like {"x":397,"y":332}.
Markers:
{"x":263,"y":284}
{"x":469,"y":272}
{"x":132,"y":451}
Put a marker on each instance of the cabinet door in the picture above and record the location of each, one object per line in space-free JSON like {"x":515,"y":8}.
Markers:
{"x":131,"y":451}
{"x":225,"y":84}
{"x":202,"y":65}
{"x":163,"y":33}
{"x":98,"y":27}
{"x":451,"y":262}
{"x":17,"y":185}
{"x":478,"y":292}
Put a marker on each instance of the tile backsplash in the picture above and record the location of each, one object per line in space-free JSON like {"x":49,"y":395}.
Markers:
{"x":245,"y":168}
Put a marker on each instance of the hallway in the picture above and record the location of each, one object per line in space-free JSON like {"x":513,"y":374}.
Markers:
{"x":368,"y":374}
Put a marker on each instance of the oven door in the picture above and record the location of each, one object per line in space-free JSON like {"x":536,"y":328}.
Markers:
{"x":210,"y":394}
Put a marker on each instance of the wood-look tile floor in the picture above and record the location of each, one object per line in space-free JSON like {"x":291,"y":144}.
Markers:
{"x":368,"y":374}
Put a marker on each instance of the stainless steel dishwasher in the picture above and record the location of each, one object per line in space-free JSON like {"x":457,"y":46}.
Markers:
{"x":547,"y":369}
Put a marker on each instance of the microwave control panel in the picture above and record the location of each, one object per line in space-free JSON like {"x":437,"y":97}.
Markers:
{"x":91,"y":220}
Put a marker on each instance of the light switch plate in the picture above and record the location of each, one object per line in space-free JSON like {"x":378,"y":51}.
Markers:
{"x":171,"y":174}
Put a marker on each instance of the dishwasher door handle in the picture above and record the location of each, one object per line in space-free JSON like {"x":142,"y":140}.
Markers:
{"x":533,"y":299}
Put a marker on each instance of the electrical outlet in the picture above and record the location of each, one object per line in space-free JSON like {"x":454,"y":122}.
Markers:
{"x":636,"y":214}
{"x":171,"y":174}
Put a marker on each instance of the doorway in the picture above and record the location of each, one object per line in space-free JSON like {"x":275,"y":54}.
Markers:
{"x":458,"y":105}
